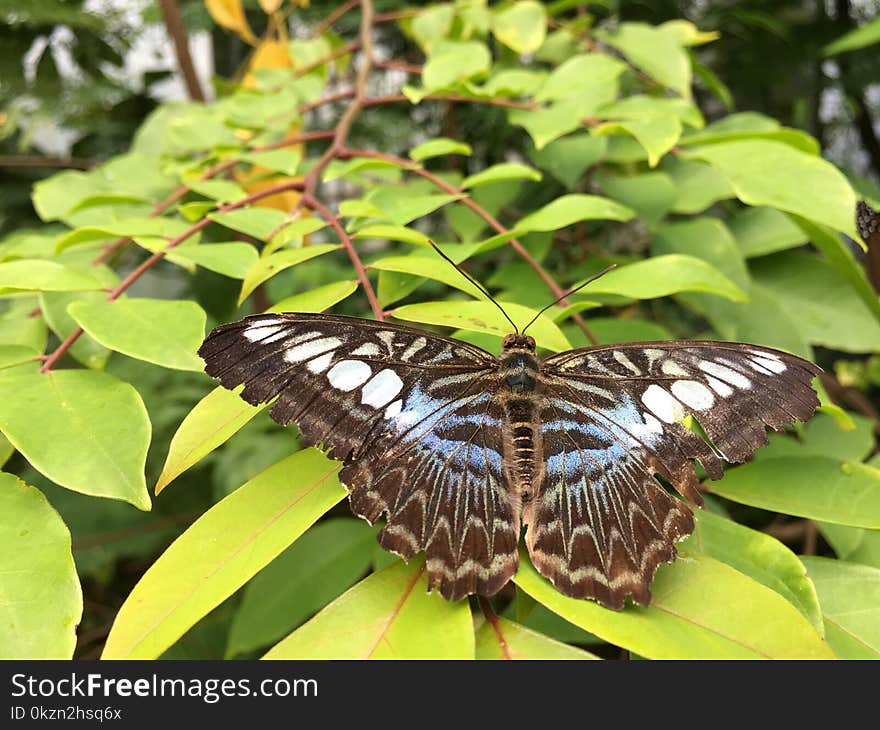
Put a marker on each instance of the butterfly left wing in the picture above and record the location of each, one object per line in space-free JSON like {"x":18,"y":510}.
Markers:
{"x":612,"y":419}
{"x":412,"y":416}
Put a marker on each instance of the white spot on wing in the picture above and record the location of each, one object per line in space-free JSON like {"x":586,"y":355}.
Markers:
{"x":256,"y":332}
{"x":725,"y":373}
{"x":320,"y":364}
{"x":670,"y":367}
{"x":312,"y":348}
{"x":626,"y":362}
{"x":776,"y":365}
{"x":393,"y":411}
{"x":694,"y":394}
{"x":382,"y":388}
{"x":723,"y":389}
{"x":367,"y":349}
{"x":662,"y":404}
{"x":349,"y":374}
{"x":417,"y":344}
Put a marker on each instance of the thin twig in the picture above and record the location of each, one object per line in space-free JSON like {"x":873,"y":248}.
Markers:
{"x":334,"y":16}
{"x":492,"y":618}
{"x":74,"y":163}
{"x":177,"y":31}
{"x":514,"y":243}
{"x":136,"y":274}
{"x":312,"y":202}
{"x":341,"y":51}
{"x":501,"y":101}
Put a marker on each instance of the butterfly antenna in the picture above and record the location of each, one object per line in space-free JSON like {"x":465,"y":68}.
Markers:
{"x":569,"y":293}
{"x":476,"y":283}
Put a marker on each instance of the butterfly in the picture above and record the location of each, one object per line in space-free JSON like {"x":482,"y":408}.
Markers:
{"x":458,"y":448}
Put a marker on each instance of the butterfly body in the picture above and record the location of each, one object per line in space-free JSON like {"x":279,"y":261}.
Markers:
{"x":458,"y":448}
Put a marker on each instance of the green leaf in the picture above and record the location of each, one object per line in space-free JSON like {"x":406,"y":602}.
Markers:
{"x":770,"y":173}
{"x":223,"y":191}
{"x":284,"y":160}
{"x":266,"y":267}
{"x":762,"y":230}
{"x":300,"y":581}
{"x":651,"y":195}
{"x":510,"y":640}
{"x":42,"y":275}
{"x":432,"y":24}
{"x":853,"y":544}
{"x":821,"y":301}
{"x":107,"y":417}
{"x":698,"y":185}
{"x":256,"y":222}
{"x":392,"y":232}
{"x":401,"y":209}
{"x":521,"y":26}
{"x":839,"y":255}
{"x":850,"y":598}
{"x":867,"y":35}
{"x":822,"y":435}
{"x":12,"y":355}
{"x":384,"y":617}
{"x":567,"y":159}
{"x":318,"y":299}
{"x":501,"y":171}
{"x":547,"y":124}
{"x":210,"y":423}
{"x":569,"y":209}
{"x":438,"y":147}
{"x":452,"y":61}
{"x":230,"y":259}
{"x":127,"y":227}
{"x":430,"y":267}
{"x":221,"y":551}
{"x":661,"y":276}
{"x":657,"y":134}
{"x":656,"y":51}
{"x":816,"y":487}
{"x":592,"y":77}
{"x":760,"y":557}
{"x":485,"y":317}
{"x":42,"y":599}
{"x":85,"y":350}
{"x":293,"y":233}
{"x":163,"y":332}
{"x":702,"y":609}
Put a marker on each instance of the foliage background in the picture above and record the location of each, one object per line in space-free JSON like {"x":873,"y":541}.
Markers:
{"x":686,"y":152}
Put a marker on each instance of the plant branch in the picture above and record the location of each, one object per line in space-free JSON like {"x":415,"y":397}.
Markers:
{"x":312,"y":202}
{"x":514,"y":243}
{"x":334,"y":16}
{"x":211,"y":172}
{"x":138,"y":272}
{"x":341,"y":51}
{"x":492,"y":618}
{"x":177,"y":31}
{"x":74,"y":163}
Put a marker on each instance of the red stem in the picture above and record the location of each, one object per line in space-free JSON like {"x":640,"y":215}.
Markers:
{"x":312,"y":202}
{"x":521,"y":250}
{"x":151,"y":261}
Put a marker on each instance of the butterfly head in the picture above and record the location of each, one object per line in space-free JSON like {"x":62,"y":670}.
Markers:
{"x":518,"y":342}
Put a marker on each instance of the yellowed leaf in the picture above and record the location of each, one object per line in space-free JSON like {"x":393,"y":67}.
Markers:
{"x":230,"y":15}
{"x":269,"y":54}
{"x":270,"y":6}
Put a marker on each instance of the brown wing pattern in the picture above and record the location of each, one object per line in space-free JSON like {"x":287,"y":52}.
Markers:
{"x":612,"y":419}
{"x":411,"y":416}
